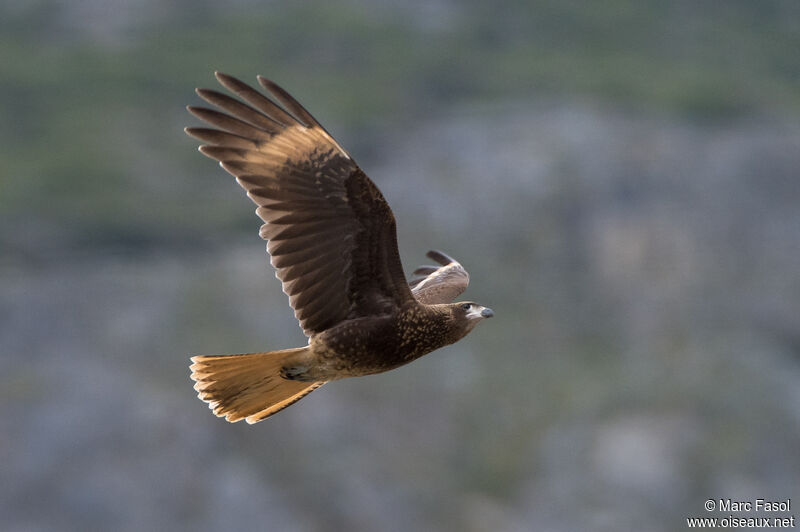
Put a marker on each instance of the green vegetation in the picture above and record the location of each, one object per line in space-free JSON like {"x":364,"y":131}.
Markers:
{"x":91,"y":121}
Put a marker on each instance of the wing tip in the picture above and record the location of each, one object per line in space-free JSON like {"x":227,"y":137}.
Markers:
{"x":195,"y":132}
{"x":198,"y":111}
{"x":209,"y":95}
{"x":439,"y":256}
{"x":265,"y":82}
{"x":208,"y":151}
{"x":232,"y":83}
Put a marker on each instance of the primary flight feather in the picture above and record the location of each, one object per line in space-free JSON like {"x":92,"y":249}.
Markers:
{"x":332,"y":240}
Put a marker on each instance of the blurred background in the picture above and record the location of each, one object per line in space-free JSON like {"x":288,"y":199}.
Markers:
{"x":620,"y":178}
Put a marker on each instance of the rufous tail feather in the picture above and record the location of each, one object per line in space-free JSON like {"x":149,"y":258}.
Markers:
{"x":249,"y":386}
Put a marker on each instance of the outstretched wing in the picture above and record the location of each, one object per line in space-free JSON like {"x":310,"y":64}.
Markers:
{"x":440,"y":284}
{"x":331,"y":235}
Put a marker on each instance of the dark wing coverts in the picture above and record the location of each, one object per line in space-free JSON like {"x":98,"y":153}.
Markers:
{"x":440,"y":284}
{"x":331,"y":235}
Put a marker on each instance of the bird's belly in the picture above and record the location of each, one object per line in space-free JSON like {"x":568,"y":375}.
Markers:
{"x":364,"y":347}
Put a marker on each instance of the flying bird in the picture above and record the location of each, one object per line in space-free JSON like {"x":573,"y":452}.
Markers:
{"x":332,"y":240}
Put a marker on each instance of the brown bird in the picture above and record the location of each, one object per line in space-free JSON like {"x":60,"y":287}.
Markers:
{"x":333,"y":243}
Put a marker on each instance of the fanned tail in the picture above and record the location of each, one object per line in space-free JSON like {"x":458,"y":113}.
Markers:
{"x":249,"y":386}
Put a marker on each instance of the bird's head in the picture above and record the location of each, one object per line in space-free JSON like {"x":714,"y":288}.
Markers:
{"x":468,"y":314}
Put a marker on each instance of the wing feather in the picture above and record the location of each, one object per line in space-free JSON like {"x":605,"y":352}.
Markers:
{"x":299,"y":244}
{"x":439,"y":284}
{"x":240,"y":110}
{"x":283,"y":260}
{"x":290,"y":231}
{"x":255,"y":98}
{"x":330,"y":232}
{"x":229,"y":124}
{"x":288,"y":102}
{"x":217,"y":138}
{"x":302,"y":270}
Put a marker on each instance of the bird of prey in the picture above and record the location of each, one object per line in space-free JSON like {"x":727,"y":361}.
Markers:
{"x":332,"y":240}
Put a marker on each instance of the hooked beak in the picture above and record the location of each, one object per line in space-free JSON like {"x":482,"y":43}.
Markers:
{"x":478,"y":312}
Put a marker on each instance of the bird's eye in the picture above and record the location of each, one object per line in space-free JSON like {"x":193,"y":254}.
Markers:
{"x":466,"y":306}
